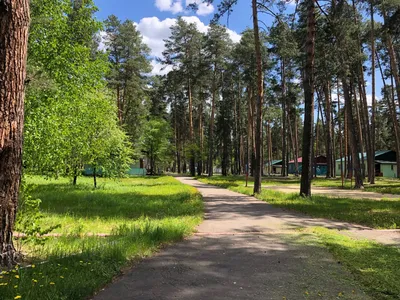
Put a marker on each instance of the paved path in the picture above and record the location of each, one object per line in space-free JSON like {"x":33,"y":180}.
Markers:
{"x":245,"y":249}
{"x":334,"y":192}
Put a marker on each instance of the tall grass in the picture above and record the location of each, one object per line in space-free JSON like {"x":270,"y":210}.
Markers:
{"x":139,"y":214}
{"x":374,"y":265}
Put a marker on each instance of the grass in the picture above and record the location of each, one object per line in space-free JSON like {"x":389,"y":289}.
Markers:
{"x":375,"y":266}
{"x":384,"y":214}
{"x":82,"y":209}
{"x":140,"y":214}
{"x":382,"y":185}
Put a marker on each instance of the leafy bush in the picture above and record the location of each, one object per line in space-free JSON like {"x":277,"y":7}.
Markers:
{"x":28,"y":220}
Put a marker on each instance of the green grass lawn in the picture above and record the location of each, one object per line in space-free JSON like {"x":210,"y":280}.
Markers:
{"x":140,"y":214}
{"x":382,"y":185}
{"x":375,"y":266}
{"x":383,"y":214}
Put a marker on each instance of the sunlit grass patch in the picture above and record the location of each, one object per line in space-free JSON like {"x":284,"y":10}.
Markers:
{"x":137,"y":214}
{"x":82,"y":209}
{"x":383,"y":214}
{"x":374,"y":265}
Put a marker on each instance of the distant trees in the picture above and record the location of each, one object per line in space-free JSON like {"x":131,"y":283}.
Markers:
{"x":128,"y":56}
{"x":332,"y":64}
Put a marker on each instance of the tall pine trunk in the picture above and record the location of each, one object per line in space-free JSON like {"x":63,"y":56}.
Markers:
{"x":211,"y":134}
{"x":308,"y":84}
{"x":14,"y":24}
{"x":354,"y":138}
{"x":260,"y":97}
{"x":371,"y":176}
{"x":192,"y":163}
{"x":329,"y":138}
{"x":285,"y":170}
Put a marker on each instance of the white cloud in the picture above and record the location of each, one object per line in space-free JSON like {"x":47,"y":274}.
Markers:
{"x":159,"y":68}
{"x":174,"y":6}
{"x":204,"y":9}
{"x":369,"y":99}
{"x":177,"y":6}
{"x":155,"y":31}
{"x":235,"y":37}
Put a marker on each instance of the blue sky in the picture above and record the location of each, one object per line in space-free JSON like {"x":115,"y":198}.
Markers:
{"x":139,"y":9}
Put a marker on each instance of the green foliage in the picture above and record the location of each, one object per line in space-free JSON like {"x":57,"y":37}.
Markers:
{"x":128,"y":58}
{"x":29,"y":220}
{"x":70,"y":117}
{"x":155,"y":142}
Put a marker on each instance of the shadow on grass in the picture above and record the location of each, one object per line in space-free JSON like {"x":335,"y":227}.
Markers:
{"x":77,"y":267}
{"x":80,"y":201}
{"x":372,"y":213}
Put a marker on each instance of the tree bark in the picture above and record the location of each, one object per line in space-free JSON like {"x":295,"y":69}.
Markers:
{"x":308,"y":84}
{"x":371,"y":176}
{"x":95,"y":178}
{"x":260,"y":97}
{"x":393,"y":60}
{"x":200,"y":161}
{"x":340,"y":137}
{"x":14,"y":25}
{"x":329,"y":143}
{"x":354,"y":138}
{"x":211,"y":134}
{"x":285,"y":170}
{"x":192,"y":165}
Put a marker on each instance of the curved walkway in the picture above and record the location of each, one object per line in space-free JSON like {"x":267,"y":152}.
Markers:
{"x":244,"y":249}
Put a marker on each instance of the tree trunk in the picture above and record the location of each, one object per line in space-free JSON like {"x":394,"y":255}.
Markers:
{"x":364,"y":107}
{"x":192,"y":163}
{"x":392,"y":109}
{"x":329,"y":144}
{"x":200,"y":162}
{"x":361,"y":137}
{"x":94,"y":178}
{"x":397,"y":127}
{"x":285,"y":170}
{"x":308,"y":83}
{"x":211,"y":134}
{"x":296,"y":141}
{"x":371,"y":176}
{"x":14,"y":25}
{"x":260,"y":97}
{"x":393,"y":60}
{"x":340,"y":138}
{"x":354,"y":138}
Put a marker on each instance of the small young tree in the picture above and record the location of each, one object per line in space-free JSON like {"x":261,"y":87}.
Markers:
{"x":155,"y":142}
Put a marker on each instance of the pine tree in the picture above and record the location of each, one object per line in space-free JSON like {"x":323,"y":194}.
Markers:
{"x":14,"y":20}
